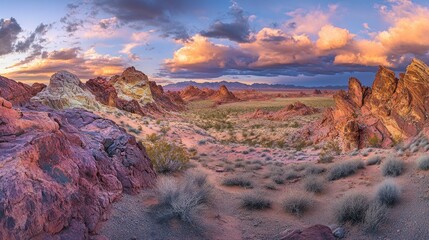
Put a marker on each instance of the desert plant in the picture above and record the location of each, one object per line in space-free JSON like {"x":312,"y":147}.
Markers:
{"x":388,"y":193}
{"x":297,"y":203}
{"x":344,"y":169}
{"x":255,"y":201}
{"x":375,"y":215}
{"x":167,"y":157}
{"x":314,"y":185}
{"x":374,"y":141}
{"x":392,"y":167}
{"x":181,"y":199}
{"x":270,"y":186}
{"x":373,"y":160}
{"x":238,"y":181}
{"x":423,"y":162}
{"x":352,"y":208}
{"x":314,"y":169}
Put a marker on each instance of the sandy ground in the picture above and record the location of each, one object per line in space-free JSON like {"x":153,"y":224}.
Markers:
{"x":223,"y":218}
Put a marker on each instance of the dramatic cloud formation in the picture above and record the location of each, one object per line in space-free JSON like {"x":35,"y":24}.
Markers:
{"x":9,"y":30}
{"x":85,"y":64}
{"x":210,"y":39}
{"x":238,"y":30}
{"x":158,"y":14}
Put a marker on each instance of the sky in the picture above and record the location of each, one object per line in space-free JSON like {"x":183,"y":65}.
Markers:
{"x":308,"y":43}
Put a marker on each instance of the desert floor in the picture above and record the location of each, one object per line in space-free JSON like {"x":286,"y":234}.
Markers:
{"x":225,"y":145}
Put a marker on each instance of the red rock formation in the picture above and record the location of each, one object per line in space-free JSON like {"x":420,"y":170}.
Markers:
{"x":223,"y":95}
{"x":392,"y":110}
{"x":61,"y":170}
{"x":18,"y":93}
{"x":103,"y":91}
{"x":292,"y":110}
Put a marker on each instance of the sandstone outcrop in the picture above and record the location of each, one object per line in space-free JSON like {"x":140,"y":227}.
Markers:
{"x":65,"y":90}
{"x":393,"y":109}
{"x":18,"y":93}
{"x":61,"y":170}
{"x":133,"y":92}
{"x":222,"y":95}
{"x":292,"y":110}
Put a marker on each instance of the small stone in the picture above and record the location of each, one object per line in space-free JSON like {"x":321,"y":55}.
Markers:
{"x":339,"y":232}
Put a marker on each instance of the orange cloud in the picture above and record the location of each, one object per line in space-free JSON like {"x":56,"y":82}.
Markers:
{"x":275,"y":47}
{"x":86,"y":65}
{"x":331,"y":37}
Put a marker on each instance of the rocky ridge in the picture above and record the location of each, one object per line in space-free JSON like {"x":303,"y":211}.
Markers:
{"x":61,"y":170}
{"x":392,"y":110}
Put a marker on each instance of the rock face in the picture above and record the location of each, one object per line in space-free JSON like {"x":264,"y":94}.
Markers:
{"x":222,"y":95}
{"x":60,"y":170}
{"x":133,"y":85}
{"x":292,"y":110}
{"x":316,"y":232}
{"x":133,"y":92}
{"x":65,"y":90}
{"x":18,"y":93}
{"x":392,"y":110}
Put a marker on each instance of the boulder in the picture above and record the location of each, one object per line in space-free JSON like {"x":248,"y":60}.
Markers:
{"x":15,"y":92}
{"x":61,"y":170}
{"x":65,"y":90}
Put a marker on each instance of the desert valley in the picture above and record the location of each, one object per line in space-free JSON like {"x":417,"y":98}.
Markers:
{"x":217,"y":120}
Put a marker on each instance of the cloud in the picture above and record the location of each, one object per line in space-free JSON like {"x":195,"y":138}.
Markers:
{"x":206,"y":59}
{"x":9,"y":30}
{"x":331,"y":38}
{"x":86,"y":65}
{"x":275,"y":47}
{"x":138,"y":39}
{"x":309,"y":22}
{"x":41,"y":30}
{"x":238,"y":30}
{"x":160,"y":14}
{"x":70,"y":21}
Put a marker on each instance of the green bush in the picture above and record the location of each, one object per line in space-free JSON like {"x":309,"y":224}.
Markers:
{"x":167,"y":157}
{"x":297,"y":204}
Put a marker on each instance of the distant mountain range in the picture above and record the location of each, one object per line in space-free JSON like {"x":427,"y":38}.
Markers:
{"x":242,"y":86}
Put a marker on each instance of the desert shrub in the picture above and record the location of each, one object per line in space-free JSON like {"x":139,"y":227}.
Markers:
{"x":314,"y":169}
{"x":374,"y":141}
{"x":297,"y":203}
{"x":291,"y":174}
{"x":373,"y":160}
{"x":167,"y":157}
{"x":255,"y":201}
{"x":352,"y":208}
{"x":181,"y":199}
{"x":392,"y":167}
{"x":152,"y":137}
{"x":344,"y":169}
{"x":388,"y":193}
{"x":270,"y":186}
{"x":134,"y":130}
{"x":278,"y":179}
{"x":375,"y":215}
{"x":314,"y":185}
{"x":423,"y":162}
{"x":238,"y":181}
{"x":254,"y":167}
